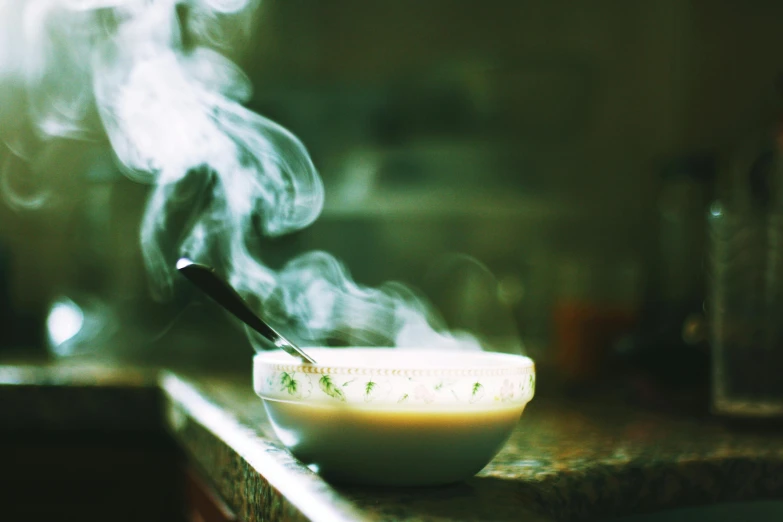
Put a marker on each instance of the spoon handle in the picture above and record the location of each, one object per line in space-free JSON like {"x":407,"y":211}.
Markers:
{"x":207,"y":281}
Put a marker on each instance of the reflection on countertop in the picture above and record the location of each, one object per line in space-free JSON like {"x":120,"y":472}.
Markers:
{"x":567,"y":460}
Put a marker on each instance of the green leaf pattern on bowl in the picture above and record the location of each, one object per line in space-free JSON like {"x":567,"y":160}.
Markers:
{"x":402,"y":389}
{"x":288,"y":383}
{"x":292,"y":384}
{"x":370,"y":389}
{"x":331,"y":389}
{"x":477,"y":392}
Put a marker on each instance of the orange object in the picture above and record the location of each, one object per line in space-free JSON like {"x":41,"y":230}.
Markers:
{"x":583,"y":334}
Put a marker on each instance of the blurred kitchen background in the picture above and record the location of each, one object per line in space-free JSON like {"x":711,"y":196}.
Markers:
{"x":552,"y":161}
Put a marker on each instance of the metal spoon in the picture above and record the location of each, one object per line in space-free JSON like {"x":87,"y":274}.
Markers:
{"x":205,"y":278}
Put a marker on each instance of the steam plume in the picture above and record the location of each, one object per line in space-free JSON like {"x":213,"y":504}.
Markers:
{"x":150,"y":76}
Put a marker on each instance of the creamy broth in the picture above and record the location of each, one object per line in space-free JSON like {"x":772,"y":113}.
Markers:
{"x":387,"y":445}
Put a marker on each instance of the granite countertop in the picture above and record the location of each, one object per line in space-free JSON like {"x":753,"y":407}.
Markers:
{"x":567,"y":460}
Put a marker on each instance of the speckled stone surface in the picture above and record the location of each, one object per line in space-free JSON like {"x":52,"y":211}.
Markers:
{"x":567,"y":460}
{"x":213,"y":421}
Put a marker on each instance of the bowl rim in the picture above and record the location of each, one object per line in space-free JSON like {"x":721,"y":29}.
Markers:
{"x":508,"y":364}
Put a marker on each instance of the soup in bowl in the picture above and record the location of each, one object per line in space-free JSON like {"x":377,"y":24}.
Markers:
{"x":392,"y":416}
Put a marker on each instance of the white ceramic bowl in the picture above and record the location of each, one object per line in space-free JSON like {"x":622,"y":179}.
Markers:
{"x":391,"y":416}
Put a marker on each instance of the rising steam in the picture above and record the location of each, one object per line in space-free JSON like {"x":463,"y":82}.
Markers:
{"x":150,"y":76}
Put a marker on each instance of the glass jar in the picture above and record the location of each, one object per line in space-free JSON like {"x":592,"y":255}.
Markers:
{"x":745,"y":305}
{"x":746,"y":312}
